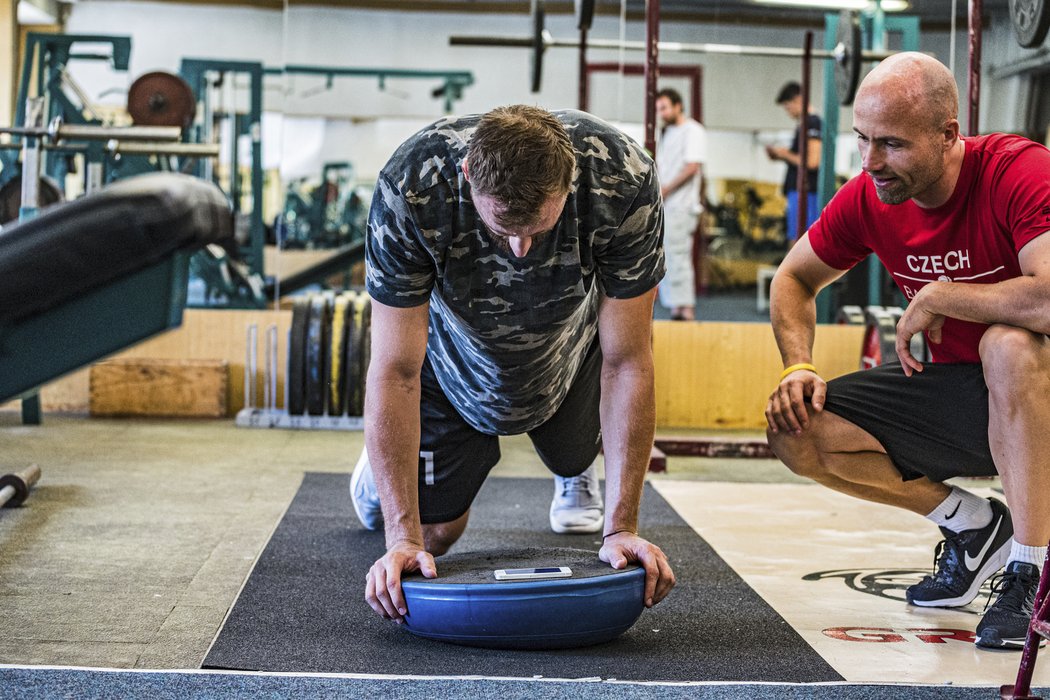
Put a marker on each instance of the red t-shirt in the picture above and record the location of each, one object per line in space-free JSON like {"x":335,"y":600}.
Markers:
{"x":1000,"y":203}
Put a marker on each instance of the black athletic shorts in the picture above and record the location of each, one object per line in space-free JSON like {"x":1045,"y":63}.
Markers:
{"x":455,"y":458}
{"x":932,"y":424}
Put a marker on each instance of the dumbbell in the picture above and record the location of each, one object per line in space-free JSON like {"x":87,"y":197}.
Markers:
{"x":15,"y":487}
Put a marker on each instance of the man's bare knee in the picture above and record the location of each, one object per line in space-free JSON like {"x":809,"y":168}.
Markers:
{"x":438,"y":538}
{"x":1014,"y":359}
{"x":799,"y":453}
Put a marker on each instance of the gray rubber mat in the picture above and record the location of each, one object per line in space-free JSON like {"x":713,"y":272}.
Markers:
{"x":37,"y":683}
{"x":303,"y":610}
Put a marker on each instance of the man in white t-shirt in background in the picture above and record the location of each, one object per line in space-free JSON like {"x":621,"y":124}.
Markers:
{"x":679,"y":161}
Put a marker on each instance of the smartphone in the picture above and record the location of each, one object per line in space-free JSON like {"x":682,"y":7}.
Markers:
{"x":533,"y":574}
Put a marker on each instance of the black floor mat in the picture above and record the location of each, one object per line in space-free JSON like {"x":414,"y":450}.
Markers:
{"x":303,"y":610}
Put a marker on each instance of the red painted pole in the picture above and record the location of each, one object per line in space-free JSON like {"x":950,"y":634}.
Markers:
{"x":1022,"y":688}
{"x":802,"y":184}
{"x":973,"y":125}
{"x":652,"y":70}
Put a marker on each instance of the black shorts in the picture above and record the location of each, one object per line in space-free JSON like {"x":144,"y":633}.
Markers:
{"x":455,"y":458}
{"x":932,"y":424}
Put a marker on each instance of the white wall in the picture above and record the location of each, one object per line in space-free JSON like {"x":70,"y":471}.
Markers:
{"x":366,"y":123}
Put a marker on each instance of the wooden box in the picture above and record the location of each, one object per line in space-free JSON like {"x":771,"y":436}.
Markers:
{"x":161,"y":388}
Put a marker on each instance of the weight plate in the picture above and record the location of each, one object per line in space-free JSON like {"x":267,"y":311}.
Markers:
{"x":296,"y":379}
{"x":850,"y":316}
{"x":350,"y":358}
{"x":48,"y":193}
{"x":538,"y":46}
{"x":337,"y":387}
{"x":1031,"y":19}
{"x":847,"y":56}
{"x":315,"y":351}
{"x":584,"y":13}
{"x":355,"y":393}
{"x":880,"y":338}
{"x":161,"y":99}
{"x":366,"y":346}
{"x":918,"y":341}
{"x":329,"y":302}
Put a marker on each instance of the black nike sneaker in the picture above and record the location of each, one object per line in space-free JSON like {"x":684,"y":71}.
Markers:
{"x":1005,"y":625}
{"x":964,"y":560}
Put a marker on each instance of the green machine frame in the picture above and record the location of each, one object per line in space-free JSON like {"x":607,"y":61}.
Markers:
{"x":874,"y":27}
{"x":195,"y":71}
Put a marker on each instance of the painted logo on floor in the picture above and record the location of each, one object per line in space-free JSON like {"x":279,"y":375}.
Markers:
{"x":887,"y":635}
{"x":890,"y":584}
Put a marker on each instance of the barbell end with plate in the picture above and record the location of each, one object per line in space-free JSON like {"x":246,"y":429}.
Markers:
{"x":14,"y":488}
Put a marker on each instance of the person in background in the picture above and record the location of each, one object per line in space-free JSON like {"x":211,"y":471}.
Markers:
{"x":680,"y":155}
{"x":790,"y":98}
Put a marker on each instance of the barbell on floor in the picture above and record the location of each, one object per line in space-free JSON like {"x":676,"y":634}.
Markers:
{"x":847,"y":53}
{"x":15,"y":487}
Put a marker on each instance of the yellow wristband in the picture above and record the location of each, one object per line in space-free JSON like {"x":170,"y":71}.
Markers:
{"x":795,"y":368}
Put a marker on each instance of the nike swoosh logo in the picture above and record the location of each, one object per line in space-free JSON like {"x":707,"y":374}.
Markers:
{"x":973,"y":562}
{"x":949,"y":517}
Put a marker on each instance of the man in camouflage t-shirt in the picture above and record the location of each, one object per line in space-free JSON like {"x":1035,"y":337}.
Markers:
{"x":512,"y":259}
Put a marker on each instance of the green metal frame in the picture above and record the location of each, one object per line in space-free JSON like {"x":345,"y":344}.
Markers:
{"x":99,"y":323}
{"x":47,"y":55}
{"x":454,"y":81}
{"x":195,"y":72}
{"x":873,"y":39}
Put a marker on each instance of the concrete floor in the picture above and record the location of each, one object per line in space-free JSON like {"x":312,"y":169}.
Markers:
{"x":136,"y":541}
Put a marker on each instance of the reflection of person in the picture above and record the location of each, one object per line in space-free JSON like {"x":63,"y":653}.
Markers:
{"x":790,"y":98}
{"x":512,"y":259}
{"x":679,"y":159}
{"x":960,"y":224}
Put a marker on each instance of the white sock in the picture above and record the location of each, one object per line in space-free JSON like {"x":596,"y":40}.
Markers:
{"x":1029,"y":555}
{"x":962,"y":510}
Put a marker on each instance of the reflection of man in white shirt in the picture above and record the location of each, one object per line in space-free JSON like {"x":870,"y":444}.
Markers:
{"x":679,"y":158}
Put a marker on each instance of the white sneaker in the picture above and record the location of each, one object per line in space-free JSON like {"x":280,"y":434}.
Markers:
{"x":364,"y":495}
{"x":577,"y":504}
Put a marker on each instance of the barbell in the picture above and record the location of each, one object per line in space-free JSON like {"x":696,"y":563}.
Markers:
{"x":847,"y":53}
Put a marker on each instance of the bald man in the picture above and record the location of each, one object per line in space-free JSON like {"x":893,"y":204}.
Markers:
{"x":959,"y":224}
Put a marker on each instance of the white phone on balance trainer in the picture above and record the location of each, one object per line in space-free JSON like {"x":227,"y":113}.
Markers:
{"x":533,"y":574}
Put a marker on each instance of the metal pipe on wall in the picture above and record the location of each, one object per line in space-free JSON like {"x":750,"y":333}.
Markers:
{"x":802,"y":181}
{"x":652,"y":70}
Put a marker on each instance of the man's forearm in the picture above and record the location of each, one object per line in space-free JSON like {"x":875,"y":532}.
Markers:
{"x":1022,"y":301}
{"x":793,"y":313}
{"x":392,"y":437}
{"x":685,"y":176}
{"x":628,"y":416}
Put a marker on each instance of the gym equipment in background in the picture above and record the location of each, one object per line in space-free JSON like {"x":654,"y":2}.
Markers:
{"x":328,"y":351}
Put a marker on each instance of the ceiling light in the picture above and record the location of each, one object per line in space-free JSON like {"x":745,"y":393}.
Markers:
{"x":887,"y":5}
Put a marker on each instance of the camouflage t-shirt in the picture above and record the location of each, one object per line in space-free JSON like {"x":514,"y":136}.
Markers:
{"x":507,"y":335}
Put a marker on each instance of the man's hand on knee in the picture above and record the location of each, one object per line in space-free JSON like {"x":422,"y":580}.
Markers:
{"x":624,"y":547}
{"x":786,"y":410}
{"x":383,"y":581}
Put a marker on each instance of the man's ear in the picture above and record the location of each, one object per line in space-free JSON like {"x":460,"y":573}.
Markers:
{"x":466,"y":170}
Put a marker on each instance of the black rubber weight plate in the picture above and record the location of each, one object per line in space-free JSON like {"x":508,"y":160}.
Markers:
{"x":351,"y":359}
{"x":538,"y":20}
{"x":329,"y":308}
{"x":337,"y":389}
{"x":315,"y":349}
{"x":296,"y":379}
{"x":1031,"y":19}
{"x":366,"y":347}
{"x":847,"y":67}
{"x":584,"y":13}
